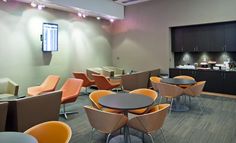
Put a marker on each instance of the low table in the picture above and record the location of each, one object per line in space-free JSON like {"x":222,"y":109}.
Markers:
{"x":125,"y":102}
{"x":16,"y":137}
{"x":177,"y":106}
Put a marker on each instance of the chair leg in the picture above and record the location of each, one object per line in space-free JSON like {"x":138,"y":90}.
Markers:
{"x":171,"y":105}
{"x":64,"y":113}
{"x":151,"y":138}
{"x":91,"y":135}
{"x":143,"y":137}
{"x":201,"y":105}
{"x":86,"y":90}
{"x":108,"y":137}
{"x":160,"y":99}
{"x":163,"y":135}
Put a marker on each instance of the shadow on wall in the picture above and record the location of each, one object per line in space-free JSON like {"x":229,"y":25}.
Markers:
{"x":47,"y":57}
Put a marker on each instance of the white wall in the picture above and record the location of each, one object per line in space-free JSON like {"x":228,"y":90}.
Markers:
{"x":82,"y":43}
{"x":142,"y":40}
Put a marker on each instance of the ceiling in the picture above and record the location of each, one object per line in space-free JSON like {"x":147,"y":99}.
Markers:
{"x":129,"y":2}
{"x":87,"y":7}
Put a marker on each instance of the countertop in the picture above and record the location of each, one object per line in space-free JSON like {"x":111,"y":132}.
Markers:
{"x":206,"y":69}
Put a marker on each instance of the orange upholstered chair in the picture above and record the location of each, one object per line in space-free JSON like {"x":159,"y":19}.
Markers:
{"x":184,"y":77}
{"x":87,"y":82}
{"x":147,"y":92}
{"x":70,"y":92}
{"x":51,"y":132}
{"x":151,"y":121}
{"x":103,"y":83}
{"x":48,"y":85}
{"x":155,"y":80}
{"x":96,"y":95}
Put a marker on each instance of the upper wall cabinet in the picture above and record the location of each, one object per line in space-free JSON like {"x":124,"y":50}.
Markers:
{"x":204,"y":38}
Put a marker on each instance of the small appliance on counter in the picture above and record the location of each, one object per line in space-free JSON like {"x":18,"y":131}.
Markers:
{"x":211,"y":64}
{"x":204,"y":65}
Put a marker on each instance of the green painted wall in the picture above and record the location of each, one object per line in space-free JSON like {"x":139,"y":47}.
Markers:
{"x":83,"y":43}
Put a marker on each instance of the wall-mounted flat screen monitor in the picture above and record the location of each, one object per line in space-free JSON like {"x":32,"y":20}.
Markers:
{"x":50,"y":37}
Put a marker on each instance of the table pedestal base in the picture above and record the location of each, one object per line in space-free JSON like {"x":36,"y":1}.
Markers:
{"x":120,"y":139}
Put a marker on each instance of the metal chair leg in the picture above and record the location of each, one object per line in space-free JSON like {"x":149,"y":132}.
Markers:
{"x":171,"y":105}
{"x":151,"y":138}
{"x":91,"y":135}
{"x":143,"y":137}
{"x":201,"y":105}
{"x":163,"y":135}
{"x":108,"y":137}
{"x":64,"y":113}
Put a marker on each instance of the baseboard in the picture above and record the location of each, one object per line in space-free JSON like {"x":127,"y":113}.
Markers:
{"x":220,"y":95}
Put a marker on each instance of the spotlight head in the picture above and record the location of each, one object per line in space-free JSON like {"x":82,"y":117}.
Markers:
{"x":98,"y":18}
{"x":79,"y":14}
{"x":33,"y":4}
{"x":111,"y":20}
{"x":84,"y":16}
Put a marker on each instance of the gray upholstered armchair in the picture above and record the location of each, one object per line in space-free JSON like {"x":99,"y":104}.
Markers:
{"x":8,"y":88}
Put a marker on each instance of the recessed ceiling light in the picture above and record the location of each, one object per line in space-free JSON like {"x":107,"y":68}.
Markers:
{"x":33,"y":4}
{"x":4,"y":0}
{"x":79,"y":14}
{"x":98,"y":18}
{"x":41,"y":6}
{"x":111,"y":20}
{"x":84,"y":15}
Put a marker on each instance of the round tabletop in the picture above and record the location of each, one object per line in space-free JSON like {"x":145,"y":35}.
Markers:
{"x":178,"y":81}
{"x":16,"y":137}
{"x":125,"y":101}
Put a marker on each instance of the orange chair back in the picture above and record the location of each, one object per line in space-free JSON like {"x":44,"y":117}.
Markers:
{"x":96,"y":95}
{"x":102,"y":82}
{"x":71,"y":89}
{"x":184,"y":77}
{"x":50,"y":83}
{"x":170,"y":91}
{"x":196,"y":89}
{"x":148,"y":92}
{"x":150,"y":121}
{"x":84,"y":77}
{"x":51,"y":132}
{"x":155,"y":80}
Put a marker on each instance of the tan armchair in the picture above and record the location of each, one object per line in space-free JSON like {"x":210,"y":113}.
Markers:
{"x":29,"y":111}
{"x":8,"y":88}
{"x":150,"y":122}
{"x":3,"y":115}
{"x":195,"y":90}
{"x":169,"y":91}
{"x":104,"y":122}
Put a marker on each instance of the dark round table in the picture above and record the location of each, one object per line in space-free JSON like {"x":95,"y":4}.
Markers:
{"x":178,"y":81}
{"x":125,"y":102}
{"x":16,"y":137}
{"x":177,"y":106}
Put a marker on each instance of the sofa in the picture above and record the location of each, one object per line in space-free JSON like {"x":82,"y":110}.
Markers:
{"x":138,"y":79}
{"x":108,"y":71}
{"x":29,"y":111}
{"x":8,"y":88}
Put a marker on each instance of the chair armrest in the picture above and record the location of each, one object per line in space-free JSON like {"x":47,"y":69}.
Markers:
{"x":12,"y":87}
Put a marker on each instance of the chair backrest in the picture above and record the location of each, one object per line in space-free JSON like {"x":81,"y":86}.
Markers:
{"x":84,"y":77}
{"x":29,"y":111}
{"x":148,"y":92}
{"x":51,"y":132}
{"x":50,"y":83}
{"x":8,"y":86}
{"x":196,"y":89}
{"x":184,"y":77}
{"x":3,"y":115}
{"x":101,"y":81}
{"x":105,"y":122}
{"x":151,"y":121}
{"x":71,"y":88}
{"x":168,"y":90}
{"x":96,"y":95}
{"x":155,"y":80}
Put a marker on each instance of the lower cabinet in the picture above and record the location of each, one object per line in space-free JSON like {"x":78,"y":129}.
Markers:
{"x":216,"y":81}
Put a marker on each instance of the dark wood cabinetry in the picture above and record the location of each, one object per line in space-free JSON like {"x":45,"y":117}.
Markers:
{"x":217,"y":81}
{"x":204,"y":38}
